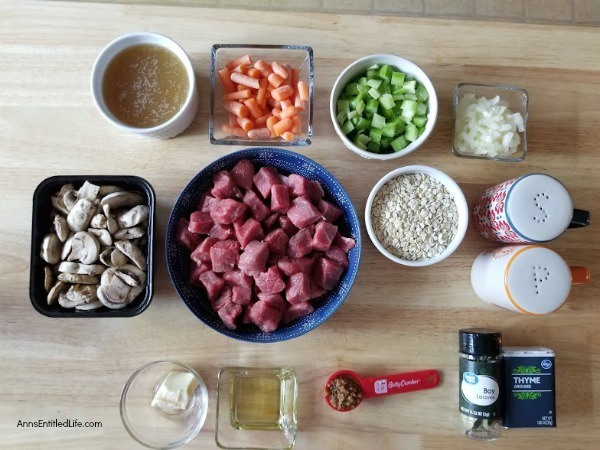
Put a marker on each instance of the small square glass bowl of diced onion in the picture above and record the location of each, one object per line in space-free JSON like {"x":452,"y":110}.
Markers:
{"x":383,"y":106}
{"x":490,"y":122}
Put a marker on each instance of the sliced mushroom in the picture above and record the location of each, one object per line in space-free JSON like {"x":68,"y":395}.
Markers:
{"x":89,"y":306}
{"x":108,"y":189}
{"x":98,"y":221}
{"x":88,"y":191}
{"x":82,"y":269}
{"x":134,"y":292}
{"x":85,"y":248}
{"x":48,"y":278}
{"x":67,"y":247}
{"x":113,"y":291}
{"x":130,"y":233}
{"x":131,"y":275}
{"x":133,"y":253}
{"x":78,"y":294}
{"x":103,"y":236}
{"x":61,"y":227}
{"x":56,"y":290}
{"x":51,"y":247}
{"x":111,"y":224}
{"x":81,"y":215}
{"x":58,"y":201}
{"x":134,"y":216}
{"x":59,"y":204}
{"x":118,"y":258}
{"x":121,"y":199}
{"x":76,"y":278}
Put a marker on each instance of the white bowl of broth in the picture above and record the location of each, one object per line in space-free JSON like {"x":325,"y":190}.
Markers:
{"x":144,"y":83}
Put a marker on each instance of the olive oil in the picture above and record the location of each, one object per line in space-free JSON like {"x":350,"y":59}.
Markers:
{"x":256,"y":402}
{"x":145,"y":85}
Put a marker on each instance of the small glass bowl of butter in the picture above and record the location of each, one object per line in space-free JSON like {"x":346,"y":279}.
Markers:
{"x":256,"y":408}
{"x":164,"y":404}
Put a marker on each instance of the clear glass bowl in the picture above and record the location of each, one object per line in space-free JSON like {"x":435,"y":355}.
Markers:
{"x":152,"y":426}
{"x":256,"y":409}
{"x":297,"y":56}
{"x":518,"y":102}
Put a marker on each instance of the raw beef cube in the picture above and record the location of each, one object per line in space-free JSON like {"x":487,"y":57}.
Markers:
{"x":344,"y":243}
{"x":285,"y":180}
{"x":297,"y":311}
{"x":207,"y":202}
{"x":265,"y":316}
{"x":241,"y":295}
{"x":337,"y":255}
{"x":238,"y":278}
{"x":258,"y":209}
{"x":286,"y":225}
{"x":242,"y":173}
{"x":183,"y":235}
{"x":298,"y":185}
{"x":224,"y":186}
{"x":271,"y":221}
{"x":254,"y":258}
{"x":196,"y":270}
{"x":200,"y":222}
{"x":229,"y":315}
{"x":324,"y":235}
{"x":248,"y":231}
{"x":329,"y":211}
{"x":300,"y":244}
{"x":303,"y":212}
{"x":280,"y":198}
{"x":298,"y":288}
{"x":202,"y":251}
{"x":326,"y":273}
{"x":222,"y":299}
{"x":290,"y":266}
{"x":228,"y":211}
{"x":277,"y":241}
{"x":224,"y":255}
{"x":274,"y":300}
{"x":221,"y":232}
{"x":271,"y":281}
{"x":264,"y":179}
{"x":316,"y":291}
{"x":246,"y":320}
{"x":213,"y":284}
{"x":314,"y":190}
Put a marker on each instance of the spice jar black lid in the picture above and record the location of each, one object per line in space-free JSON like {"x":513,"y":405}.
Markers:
{"x":480,"y":341}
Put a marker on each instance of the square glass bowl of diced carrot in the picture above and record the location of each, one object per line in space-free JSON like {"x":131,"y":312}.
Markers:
{"x":261,"y":95}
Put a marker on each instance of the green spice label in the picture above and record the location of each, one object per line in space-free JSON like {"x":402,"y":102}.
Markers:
{"x":479,"y":389}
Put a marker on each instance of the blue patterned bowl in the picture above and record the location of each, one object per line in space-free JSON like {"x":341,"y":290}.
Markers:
{"x":178,"y":262}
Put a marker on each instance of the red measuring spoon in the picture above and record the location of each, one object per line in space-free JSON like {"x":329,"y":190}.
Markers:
{"x":388,"y":384}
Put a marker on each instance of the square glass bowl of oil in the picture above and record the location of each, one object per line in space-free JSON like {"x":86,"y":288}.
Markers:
{"x":256,"y":408}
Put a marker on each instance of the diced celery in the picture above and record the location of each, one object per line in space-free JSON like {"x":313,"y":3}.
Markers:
{"x":347,"y":127}
{"x":368,"y":115}
{"x":397,"y":97}
{"x":362,"y":81}
{"x":343,"y":106}
{"x":385,"y":72}
{"x":372,"y":73}
{"x":385,"y":87}
{"x":360,"y":107}
{"x":421,"y":131}
{"x":399,"y":143}
{"x":378,"y":121}
{"x":354,"y":120}
{"x":372,"y":106}
{"x":352,"y":114}
{"x":385,"y":142}
{"x":361,"y":141}
{"x":409,"y":108}
{"x":421,"y":109}
{"x":419,"y":121}
{"x":341,"y":117}
{"x":373,"y":147}
{"x":389,"y":130}
{"x":354,"y":101}
{"x":363,"y":88}
{"x":351,"y":89}
{"x":411,"y":132}
{"x":422,"y":94}
{"x":409,"y":78}
{"x":397,"y":78}
{"x":374,"y":83}
{"x":409,"y":96}
{"x":410,"y":86}
{"x":386,"y":101}
{"x":363,"y":124}
{"x":373,"y":67}
{"x":374,"y":93}
{"x":389,"y":114}
{"x":399,"y":91}
{"x":375,"y":135}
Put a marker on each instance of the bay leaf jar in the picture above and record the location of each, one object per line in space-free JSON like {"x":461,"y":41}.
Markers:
{"x":480,"y":382}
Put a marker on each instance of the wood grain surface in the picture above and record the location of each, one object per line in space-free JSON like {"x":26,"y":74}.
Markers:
{"x":395,"y":318}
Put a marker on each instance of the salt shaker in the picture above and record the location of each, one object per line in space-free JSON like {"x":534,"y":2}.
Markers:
{"x":480,"y":380}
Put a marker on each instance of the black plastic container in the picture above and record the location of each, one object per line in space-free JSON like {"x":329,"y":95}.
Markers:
{"x":42,"y":225}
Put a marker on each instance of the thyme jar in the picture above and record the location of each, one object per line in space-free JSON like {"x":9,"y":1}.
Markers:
{"x":480,"y":373}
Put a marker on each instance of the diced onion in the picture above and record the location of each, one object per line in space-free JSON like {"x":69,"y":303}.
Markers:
{"x":486,"y":127}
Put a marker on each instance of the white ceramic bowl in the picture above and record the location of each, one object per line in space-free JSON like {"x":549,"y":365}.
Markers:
{"x":180,"y":121}
{"x":451,"y":186}
{"x":406,"y":66}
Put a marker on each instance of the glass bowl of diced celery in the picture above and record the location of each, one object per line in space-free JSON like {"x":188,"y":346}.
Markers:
{"x":383,"y":106}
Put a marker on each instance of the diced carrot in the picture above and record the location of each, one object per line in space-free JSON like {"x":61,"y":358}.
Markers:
{"x":253,"y":107}
{"x":275,"y":80}
{"x":279,"y":70}
{"x":238,"y":95}
{"x":244,"y":59}
{"x":289,"y":112}
{"x":303,"y":91}
{"x":260,"y":95}
{"x":276,"y":112}
{"x":285,"y":103}
{"x":287,"y":81}
{"x":263,"y":67}
{"x":263,"y":119}
{"x":274,"y":103}
{"x":232,"y":120}
{"x":271,"y":121}
{"x":242,"y":68}
{"x":259,"y":133}
{"x":236,"y":131}
{"x":245,"y":123}
{"x":240,"y":78}
{"x":225,"y":76}
{"x":288,"y":136}
{"x":282,"y":126}
{"x":264,"y":105}
{"x":295,"y":78}
{"x":298,"y":103}
{"x":254,"y":73}
{"x":281,"y":93}
{"x":236,"y":108}
{"x":297,"y":125}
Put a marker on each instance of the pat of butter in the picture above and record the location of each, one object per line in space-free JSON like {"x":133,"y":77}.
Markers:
{"x":175,"y":391}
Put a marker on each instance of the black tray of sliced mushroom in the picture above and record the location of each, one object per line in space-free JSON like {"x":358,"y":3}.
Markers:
{"x":91,"y":246}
